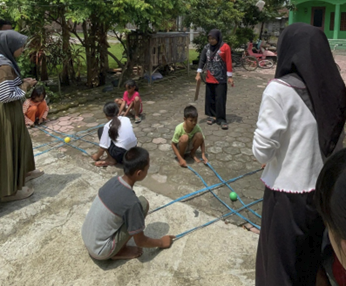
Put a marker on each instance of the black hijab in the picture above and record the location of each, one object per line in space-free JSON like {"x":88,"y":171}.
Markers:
{"x":304,"y":49}
{"x":10,"y":41}
{"x":216,"y":34}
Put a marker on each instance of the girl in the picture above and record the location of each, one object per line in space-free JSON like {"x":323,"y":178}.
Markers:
{"x":35,"y":108}
{"x":217,"y":56}
{"x":300,"y":123}
{"x":131,"y":101}
{"x":16,"y":155}
{"x":330,"y":201}
{"x":116,"y":137}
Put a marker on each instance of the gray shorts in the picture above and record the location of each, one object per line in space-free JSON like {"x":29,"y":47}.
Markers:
{"x":122,"y":236}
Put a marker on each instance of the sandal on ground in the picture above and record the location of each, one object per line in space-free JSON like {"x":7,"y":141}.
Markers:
{"x":24,"y":193}
{"x":138,"y":119}
{"x":211,"y":120}
{"x":33,"y":175}
{"x":224,"y":125}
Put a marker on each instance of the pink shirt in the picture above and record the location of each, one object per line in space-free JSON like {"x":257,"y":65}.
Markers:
{"x":129,"y":99}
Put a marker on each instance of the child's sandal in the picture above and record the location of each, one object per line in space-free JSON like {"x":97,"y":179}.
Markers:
{"x":138,"y":119}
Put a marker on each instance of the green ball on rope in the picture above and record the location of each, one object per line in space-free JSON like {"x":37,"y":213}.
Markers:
{"x":233,"y":196}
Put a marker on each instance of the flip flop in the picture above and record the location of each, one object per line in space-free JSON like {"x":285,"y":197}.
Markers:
{"x":224,"y":125}
{"x":33,"y":175}
{"x":138,"y":119}
{"x":211,"y":121}
{"x":24,"y":193}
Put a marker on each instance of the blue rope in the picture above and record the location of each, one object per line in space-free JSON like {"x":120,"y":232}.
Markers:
{"x":241,"y":201}
{"x":45,"y":144}
{"x":215,"y":220}
{"x":221,"y":201}
{"x":203,"y":190}
{"x":62,"y":140}
{"x":38,"y":154}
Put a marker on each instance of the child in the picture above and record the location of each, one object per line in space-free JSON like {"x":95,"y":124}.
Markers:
{"x":35,"y":108}
{"x":330,"y":201}
{"x":117,"y":214}
{"x":131,"y":101}
{"x":188,"y":137}
{"x":116,"y":137}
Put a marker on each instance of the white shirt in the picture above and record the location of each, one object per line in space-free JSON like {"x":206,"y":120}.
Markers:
{"x":286,"y":139}
{"x":126,"y":139}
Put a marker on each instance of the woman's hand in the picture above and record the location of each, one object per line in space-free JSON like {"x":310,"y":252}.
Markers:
{"x":230,"y":80}
{"x":30,"y":81}
{"x":198,"y":77}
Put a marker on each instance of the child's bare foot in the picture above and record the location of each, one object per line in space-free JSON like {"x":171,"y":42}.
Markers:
{"x":193,"y":155}
{"x":95,"y":157}
{"x":128,"y":252}
{"x":109,"y":161}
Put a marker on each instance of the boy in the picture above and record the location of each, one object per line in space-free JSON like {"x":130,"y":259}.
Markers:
{"x":188,"y":137}
{"x":117,"y":214}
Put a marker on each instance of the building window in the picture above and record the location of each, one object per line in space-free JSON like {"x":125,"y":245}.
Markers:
{"x":342,"y":21}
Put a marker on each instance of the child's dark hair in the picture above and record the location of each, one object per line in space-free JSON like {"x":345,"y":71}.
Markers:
{"x":135,"y":159}
{"x":4,"y":22}
{"x":111,"y":109}
{"x":330,"y":196}
{"x":131,"y":83}
{"x":37,"y":92}
{"x":190,"y":112}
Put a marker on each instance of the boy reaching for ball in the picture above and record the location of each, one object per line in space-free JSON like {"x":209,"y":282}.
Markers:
{"x":117,"y":214}
{"x":188,"y":137}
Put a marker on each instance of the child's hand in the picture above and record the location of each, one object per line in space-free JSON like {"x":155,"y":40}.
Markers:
{"x":40,"y":121}
{"x":263,"y":166}
{"x":95,"y":157}
{"x":182,"y":163}
{"x":167,"y":241}
{"x":205,"y":160}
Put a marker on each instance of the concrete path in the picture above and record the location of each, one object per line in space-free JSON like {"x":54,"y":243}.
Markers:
{"x":41,"y":242}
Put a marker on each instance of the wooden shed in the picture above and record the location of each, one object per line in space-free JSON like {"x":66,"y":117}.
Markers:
{"x":153,"y":51}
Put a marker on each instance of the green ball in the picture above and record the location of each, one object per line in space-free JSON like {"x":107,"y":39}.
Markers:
{"x":233,"y":196}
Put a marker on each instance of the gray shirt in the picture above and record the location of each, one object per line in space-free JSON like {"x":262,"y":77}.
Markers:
{"x":116,"y":204}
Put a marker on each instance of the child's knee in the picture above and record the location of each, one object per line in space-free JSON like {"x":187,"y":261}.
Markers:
{"x":199,"y":136}
{"x":136,"y":99}
{"x":33,"y":108}
{"x":184,"y":138}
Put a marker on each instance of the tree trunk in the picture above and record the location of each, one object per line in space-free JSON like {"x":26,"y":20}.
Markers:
{"x":261,"y":32}
{"x":65,"y":78}
{"x":44,"y":71}
{"x":103,"y":47}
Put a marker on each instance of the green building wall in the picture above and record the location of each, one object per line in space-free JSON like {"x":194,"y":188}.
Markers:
{"x":303,"y":14}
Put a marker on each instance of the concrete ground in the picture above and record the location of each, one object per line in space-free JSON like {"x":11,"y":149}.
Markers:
{"x":40,"y":241}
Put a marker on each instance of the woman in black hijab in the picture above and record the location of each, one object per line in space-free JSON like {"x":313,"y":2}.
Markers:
{"x":217,"y":57}
{"x":300,"y":124}
{"x":16,"y":154}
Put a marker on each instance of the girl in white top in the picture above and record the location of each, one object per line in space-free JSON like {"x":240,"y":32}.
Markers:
{"x":300,"y":122}
{"x":116,"y":137}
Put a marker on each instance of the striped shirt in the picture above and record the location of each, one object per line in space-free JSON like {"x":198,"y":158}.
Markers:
{"x":11,"y":86}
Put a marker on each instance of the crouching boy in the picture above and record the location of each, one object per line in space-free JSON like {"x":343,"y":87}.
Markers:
{"x":188,"y":137}
{"x":117,"y":214}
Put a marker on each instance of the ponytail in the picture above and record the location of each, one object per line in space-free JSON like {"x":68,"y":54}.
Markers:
{"x":114,"y":128}
{"x":111,"y":109}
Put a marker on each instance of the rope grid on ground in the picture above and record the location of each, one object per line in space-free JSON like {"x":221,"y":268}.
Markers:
{"x":76,"y":137}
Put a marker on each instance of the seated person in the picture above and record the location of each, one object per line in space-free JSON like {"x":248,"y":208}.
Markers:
{"x":188,"y":137}
{"x":117,"y":214}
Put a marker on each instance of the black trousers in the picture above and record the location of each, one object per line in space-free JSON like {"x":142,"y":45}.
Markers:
{"x":116,"y":152}
{"x":289,"y":247}
{"x":215,"y":101}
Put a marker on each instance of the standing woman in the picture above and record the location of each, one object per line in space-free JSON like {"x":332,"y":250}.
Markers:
{"x":16,"y":154}
{"x":217,"y":57}
{"x":300,"y":124}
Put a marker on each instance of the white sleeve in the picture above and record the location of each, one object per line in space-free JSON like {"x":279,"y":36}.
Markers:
{"x":105,"y":140}
{"x":271,"y":123}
